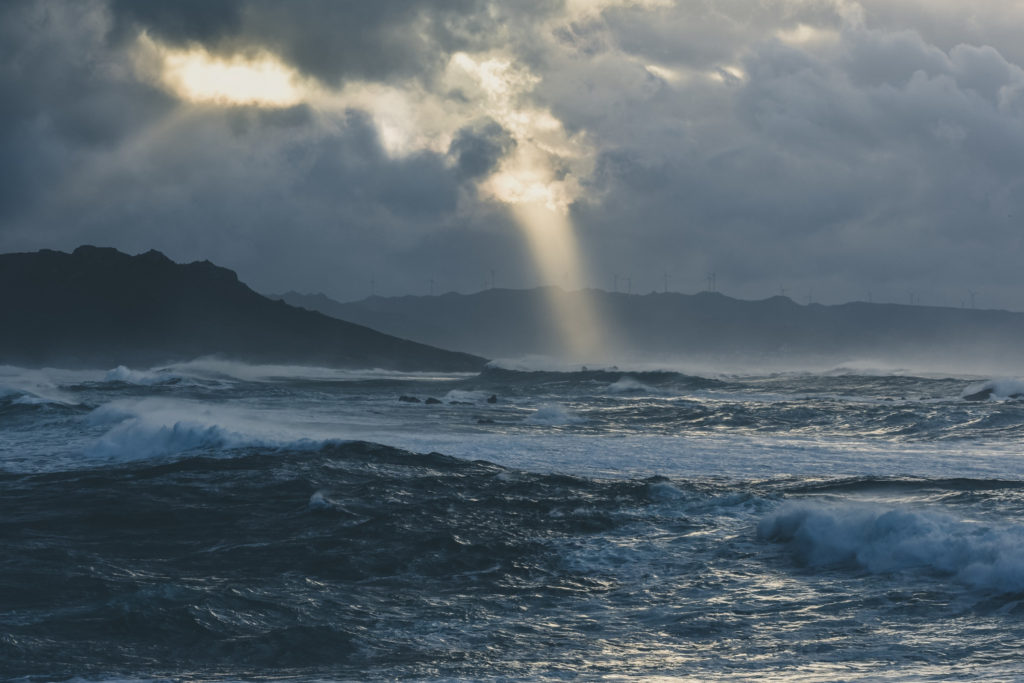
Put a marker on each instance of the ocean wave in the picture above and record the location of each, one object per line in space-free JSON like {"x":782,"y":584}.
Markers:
{"x":23,"y":397}
{"x":903,"y":485}
{"x":628,"y":384}
{"x":33,"y":391}
{"x":153,"y":428}
{"x":144,"y":378}
{"x":1006,"y":388}
{"x":882,"y":539}
{"x":466,"y":396}
{"x":213,"y":367}
{"x":305,"y":558}
{"x":602,"y":377}
{"x":553,"y":415}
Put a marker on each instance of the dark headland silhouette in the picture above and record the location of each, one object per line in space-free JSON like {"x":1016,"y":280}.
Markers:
{"x":503,"y":323}
{"x":98,"y":307}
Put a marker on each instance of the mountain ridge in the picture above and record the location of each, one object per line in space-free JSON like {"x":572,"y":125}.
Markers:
{"x":97,"y":306}
{"x":503,"y":323}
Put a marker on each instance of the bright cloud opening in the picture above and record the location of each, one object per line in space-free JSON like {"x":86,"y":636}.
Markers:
{"x":805,"y":35}
{"x":196,"y":75}
{"x":529,"y":175}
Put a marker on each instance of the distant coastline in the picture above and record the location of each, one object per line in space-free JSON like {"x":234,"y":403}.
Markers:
{"x":704,"y":327}
{"x":99,"y":307}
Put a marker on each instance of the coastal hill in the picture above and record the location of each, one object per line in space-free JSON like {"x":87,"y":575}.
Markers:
{"x":98,"y":307}
{"x":504,"y":323}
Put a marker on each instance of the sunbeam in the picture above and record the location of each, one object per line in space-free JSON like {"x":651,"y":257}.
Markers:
{"x":552,"y":241}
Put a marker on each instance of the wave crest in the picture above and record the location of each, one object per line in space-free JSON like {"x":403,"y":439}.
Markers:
{"x":155,"y":428}
{"x":883,"y":539}
{"x":994,"y":388}
{"x":553,"y":415}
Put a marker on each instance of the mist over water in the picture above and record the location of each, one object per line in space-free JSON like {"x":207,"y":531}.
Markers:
{"x":214,"y":519}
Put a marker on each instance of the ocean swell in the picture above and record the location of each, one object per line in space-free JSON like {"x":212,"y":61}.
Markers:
{"x":881,"y":539}
{"x":153,"y":428}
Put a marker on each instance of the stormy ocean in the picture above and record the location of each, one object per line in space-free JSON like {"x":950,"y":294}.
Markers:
{"x":214,"y":520}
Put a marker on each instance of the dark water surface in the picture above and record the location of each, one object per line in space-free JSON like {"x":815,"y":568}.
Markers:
{"x":197,"y":524}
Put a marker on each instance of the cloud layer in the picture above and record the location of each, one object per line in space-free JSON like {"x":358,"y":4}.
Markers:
{"x":831,"y":149}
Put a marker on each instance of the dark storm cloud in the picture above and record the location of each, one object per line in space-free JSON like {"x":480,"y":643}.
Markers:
{"x":879,"y":159}
{"x":62,"y":94}
{"x":178,"y":21}
{"x":352,"y":170}
{"x":478,"y":149}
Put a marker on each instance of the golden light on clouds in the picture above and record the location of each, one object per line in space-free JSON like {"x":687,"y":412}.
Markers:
{"x":546,"y":163}
{"x":804,"y":35}
{"x":196,"y":75}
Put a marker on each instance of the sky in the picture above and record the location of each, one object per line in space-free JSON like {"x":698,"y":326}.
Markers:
{"x":828,"y":150}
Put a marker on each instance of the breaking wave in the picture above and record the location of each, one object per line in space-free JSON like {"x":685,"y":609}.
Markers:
{"x":141,"y":377}
{"x":153,"y":428}
{"x":881,"y":539}
{"x":554,"y":415}
{"x":995,"y":389}
{"x":629,"y":385}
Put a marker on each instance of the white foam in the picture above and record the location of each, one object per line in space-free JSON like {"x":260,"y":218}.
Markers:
{"x":1000,"y":388}
{"x":152,"y":428}
{"x":466,"y":396}
{"x":554,"y":415}
{"x":882,"y":539}
{"x":665,"y":492}
{"x":140,"y":377}
{"x":35,"y":387}
{"x":321,"y":501}
{"x":536,"y":363}
{"x":32,"y":400}
{"x":723,"y":368}
{"x":629,"y":385}
{"x":220,"y":368}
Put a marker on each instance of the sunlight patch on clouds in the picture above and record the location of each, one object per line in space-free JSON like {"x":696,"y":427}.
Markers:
{"x":728,"y":74}
{"x":682,"y":76}
{"x":547,"y":162}
{"x":407,"y":119}
{"x":806,"y":35}
{"x":545,"y":166}
{"x":196,"y":75}
{"x":665,"y":73}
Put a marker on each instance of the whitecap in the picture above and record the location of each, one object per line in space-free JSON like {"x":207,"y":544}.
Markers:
{"x":554,"y":415}
{"x":994,"y":388}
{"x":883,"y":539}
{"x":629,"y":385}
{"x":152,"y":428}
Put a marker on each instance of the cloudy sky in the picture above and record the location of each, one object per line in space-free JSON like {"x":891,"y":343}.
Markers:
{"x":831,"y":149}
